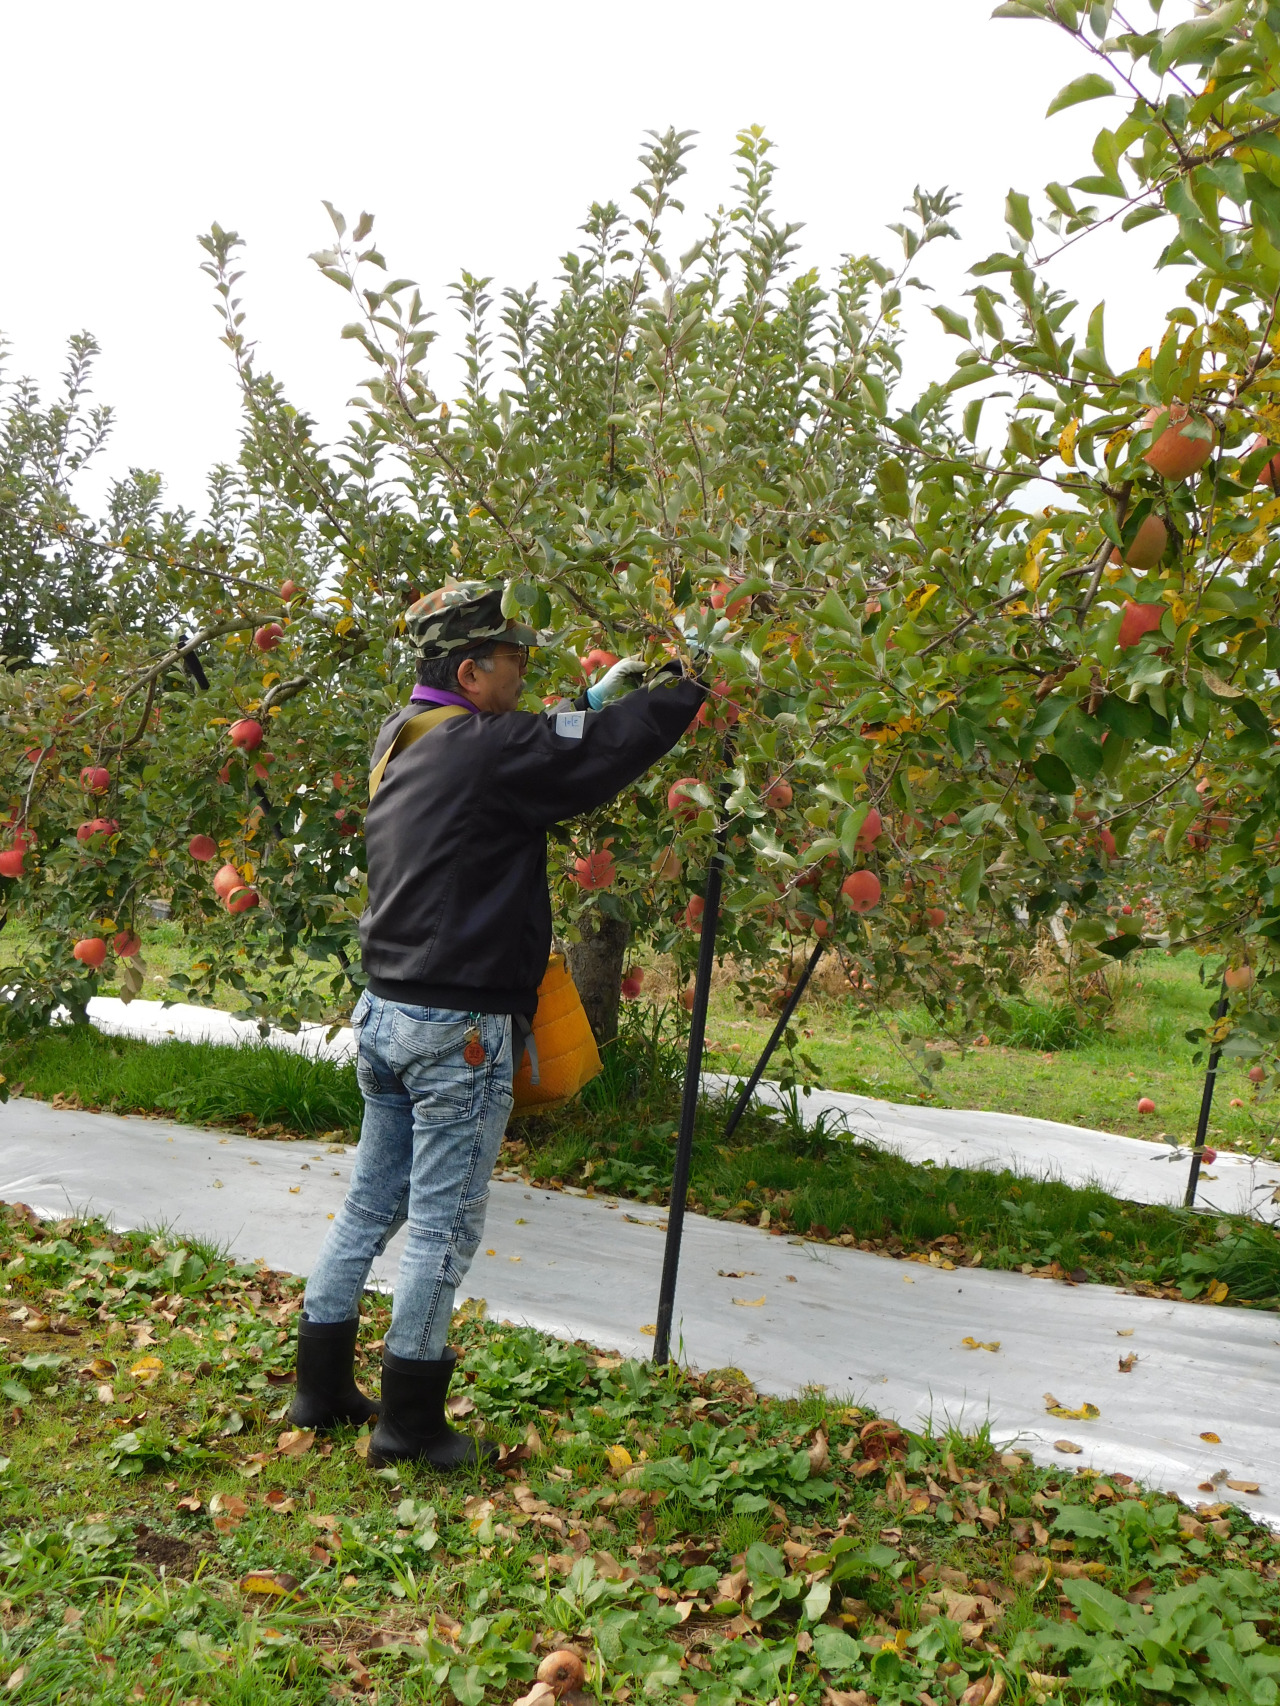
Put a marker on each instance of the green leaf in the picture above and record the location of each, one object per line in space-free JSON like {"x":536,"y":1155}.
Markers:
{"x":1196,"y":38}
{"x":1090,"y":87}
{"x":891,"y":481}
{"x":833,"y":612}
{"x":971,"y":882}
{"x":955,"y":323}
{"x":1053,"y":774}
{"x":1017,"y":212}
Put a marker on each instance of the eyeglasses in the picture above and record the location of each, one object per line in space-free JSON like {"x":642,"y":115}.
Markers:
{"x":513,"y":648}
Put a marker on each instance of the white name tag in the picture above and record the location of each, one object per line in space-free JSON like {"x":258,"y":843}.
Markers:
{"x":570,"y":724}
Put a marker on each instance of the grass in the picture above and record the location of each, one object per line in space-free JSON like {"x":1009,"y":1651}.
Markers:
{"x":618,"y":1138}
{"x":1049,"y":1067}
{"x":250,"y":1087}
{"x":164,"y":1537}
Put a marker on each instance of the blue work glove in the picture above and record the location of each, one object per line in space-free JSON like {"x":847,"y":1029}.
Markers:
{"x":620,"y":678}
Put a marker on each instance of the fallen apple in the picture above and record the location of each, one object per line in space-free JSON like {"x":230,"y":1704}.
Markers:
{"x":1146,"y":1105}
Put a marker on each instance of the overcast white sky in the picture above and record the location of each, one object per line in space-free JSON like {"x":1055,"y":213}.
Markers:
{"x":478,"y":135}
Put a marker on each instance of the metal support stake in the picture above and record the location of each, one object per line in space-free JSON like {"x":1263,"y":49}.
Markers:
{"x":1206,"y":1102}
{"x":784,"y":1019}
{"x":689,"y":1103}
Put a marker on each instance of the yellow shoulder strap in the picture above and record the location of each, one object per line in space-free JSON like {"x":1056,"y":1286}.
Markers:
{"x":409,"y":732}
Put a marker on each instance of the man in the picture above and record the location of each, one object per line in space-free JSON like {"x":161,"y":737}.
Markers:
{"x":455,"y":942}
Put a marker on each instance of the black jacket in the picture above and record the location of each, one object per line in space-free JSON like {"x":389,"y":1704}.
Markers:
{"x":459,"y":914}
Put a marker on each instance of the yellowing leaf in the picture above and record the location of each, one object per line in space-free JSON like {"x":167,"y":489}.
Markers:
{"x":1086,"y":1412}
{"x":749,"y":1302}
{"x":919,"y":596}
{"x":1217,"y":1292}
{"x":1211,"y":1438}
{"x":650,"y":1330}
{"x":981,"y":1344}
{"x":1244,"y":1486}
{"x":618,"y":1458}
{"x":296,"y":1442}
{"x":276,"y":1582}
{"x":1067,"y":441}
{"x":147,"y":1369}
{"x":1069,"y":1446}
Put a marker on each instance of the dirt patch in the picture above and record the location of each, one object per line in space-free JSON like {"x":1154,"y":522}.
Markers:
{"x":167,"y":1552}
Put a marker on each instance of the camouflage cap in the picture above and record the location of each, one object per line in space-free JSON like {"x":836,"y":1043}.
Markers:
{"x":461,"y":613}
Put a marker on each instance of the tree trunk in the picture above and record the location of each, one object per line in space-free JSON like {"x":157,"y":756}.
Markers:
{"x":596,"y":964}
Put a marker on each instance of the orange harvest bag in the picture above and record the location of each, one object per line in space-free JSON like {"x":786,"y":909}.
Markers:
{"x":562,"y":1044}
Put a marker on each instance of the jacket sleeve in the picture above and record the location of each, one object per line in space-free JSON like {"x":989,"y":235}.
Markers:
{"x":547,"y":777}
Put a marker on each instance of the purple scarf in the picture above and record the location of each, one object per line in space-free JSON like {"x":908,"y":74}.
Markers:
{"x":439,"y":696}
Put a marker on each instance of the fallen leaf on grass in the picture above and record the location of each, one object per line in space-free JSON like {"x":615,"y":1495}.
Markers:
{"x":1211,"y":1439}
{"x":190,"y":1502}
{"x":329,"y":1523}
{"x":541,"y":1694}
{"x":361,"y":1447}
{"x":1128,"y":1363}
{"x":280,"y":1502}
{"x":749,"y":1302}
{"x":618,"y":1458}
{"x":461,"y":1404}
{"x":1068,"y":1446}
{"x":106,"y":1394}
{"x":819,"y":1454}
{"x":981,"y":1344}
{"x":1086,"y":1413}
{"x":254,"y":1464}
{"x":227,"y":1511}
{"x":35,"y":1323}
{"x":1244,"y":1486}
{"x":318,"y":1555}
{"x":1216,"y":1293}
{"x":277,"y":1582}
{"x":16,"y":1677}
{"x":296,"y":1442}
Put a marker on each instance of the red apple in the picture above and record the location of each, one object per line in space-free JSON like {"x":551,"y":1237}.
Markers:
{"x":1209,"y":1156}
{"x":226,"y":880}
{"x":686,"y":997}
{"x":268,"y":637}
{"x":246,"y":734}
{"x":1108,"y":841}
{"x":11,"y":862}
{"x":1146,"y":1105}
{"x":1257,"y":1075}
{"x":693,"y":913}
{"x":935,"y":917}
{"x":1238,"y":977}
{"x":94,"y":779}
{"x":241,"y":899}
{"x":596,"y":871}
{"x":721,"y":592}
{"x":872,"y":829}
{"x":949,"y":818}
{"x":1175,"y":455}
{"x":202,"y":847}
{"x":1148,"y":544}
{"x":597,"y":659}
{"x":127,"y":944}
{"x":1126,"y":910}
{"x":632,"y":984}
{"x":289,"y":590}
{"x":1137,"y":620}
{"x":98,"y":826}
{"x":90,"y":951}
{"x":862,"y":890}
{"x":717,"y":711}
{"x":1270,"y":470}
{"x":24,"y":840}
{"x":678,"y":800}
{"x":778,"y":794}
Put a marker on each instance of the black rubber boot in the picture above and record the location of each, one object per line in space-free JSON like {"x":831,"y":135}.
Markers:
{"x":412,"y":1427}
{"x":327,"y":1395}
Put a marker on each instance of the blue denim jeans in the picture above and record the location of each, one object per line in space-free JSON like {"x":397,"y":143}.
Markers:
{"x":432,"y":1129}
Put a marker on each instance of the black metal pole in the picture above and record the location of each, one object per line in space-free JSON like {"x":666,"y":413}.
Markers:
{"x":1206,"y":1102}
{"x":689,"y":1102}
{"x":784,"y":1019}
